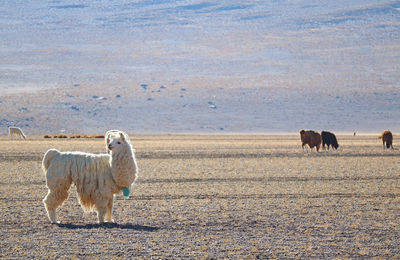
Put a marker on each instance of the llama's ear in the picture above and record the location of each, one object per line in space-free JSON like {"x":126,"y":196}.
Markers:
{"x":107,"y":143}
{"x":122,"y":136}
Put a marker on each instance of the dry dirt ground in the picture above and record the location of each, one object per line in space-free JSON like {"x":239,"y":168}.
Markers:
{"x":227,"y":196}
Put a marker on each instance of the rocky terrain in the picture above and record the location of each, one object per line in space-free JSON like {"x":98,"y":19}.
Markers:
{"x":208,"y":196}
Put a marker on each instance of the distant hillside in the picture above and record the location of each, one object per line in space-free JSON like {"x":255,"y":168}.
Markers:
{"x":200,"y":66}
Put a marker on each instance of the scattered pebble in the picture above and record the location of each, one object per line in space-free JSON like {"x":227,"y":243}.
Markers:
{"x":99,"y":98}
{"x":212,"y":105}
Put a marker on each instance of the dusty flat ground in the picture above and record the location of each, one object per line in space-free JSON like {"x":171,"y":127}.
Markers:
{"x":246,"y":196}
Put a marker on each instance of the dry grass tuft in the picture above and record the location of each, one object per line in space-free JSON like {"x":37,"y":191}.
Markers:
{"x":61,"y":136}
{"x":97,"y":136}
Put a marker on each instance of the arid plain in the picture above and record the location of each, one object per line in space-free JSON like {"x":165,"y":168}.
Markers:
{"x":213,"y":196}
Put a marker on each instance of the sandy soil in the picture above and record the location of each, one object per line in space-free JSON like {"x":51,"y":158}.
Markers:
{"x":221,"y":196}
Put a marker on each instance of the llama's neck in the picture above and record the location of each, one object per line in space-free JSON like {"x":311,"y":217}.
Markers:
{"x":123,"y":167}
{"x":116,"y":158}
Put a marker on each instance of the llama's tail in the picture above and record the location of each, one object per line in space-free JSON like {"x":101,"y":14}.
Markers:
{"x":49,"y":155}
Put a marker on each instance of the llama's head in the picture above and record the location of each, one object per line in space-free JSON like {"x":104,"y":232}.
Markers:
{"x":116,"y":141}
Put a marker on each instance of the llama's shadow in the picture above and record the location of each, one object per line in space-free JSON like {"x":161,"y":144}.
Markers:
{"x":108,"y":225}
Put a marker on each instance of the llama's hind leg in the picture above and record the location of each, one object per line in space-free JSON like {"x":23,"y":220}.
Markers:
{"x":52,"y":201}
{"x":58,"y":193}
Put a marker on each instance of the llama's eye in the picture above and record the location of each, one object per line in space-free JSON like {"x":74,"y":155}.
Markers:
{"x":118,"y":142}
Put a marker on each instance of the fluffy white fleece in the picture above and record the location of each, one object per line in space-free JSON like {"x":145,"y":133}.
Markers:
{"x":97,"y":177}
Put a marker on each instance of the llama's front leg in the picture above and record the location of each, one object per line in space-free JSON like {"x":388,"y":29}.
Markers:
{"x":101,"y":211}
{"x":101,"y":208}
{"x":109,"y":210}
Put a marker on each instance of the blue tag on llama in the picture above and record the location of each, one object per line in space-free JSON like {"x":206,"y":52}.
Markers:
{"x":125,"y":192}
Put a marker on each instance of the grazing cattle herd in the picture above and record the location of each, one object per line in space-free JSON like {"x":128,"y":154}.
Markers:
{"x":308,"y":137}
{"x":313,"y":139}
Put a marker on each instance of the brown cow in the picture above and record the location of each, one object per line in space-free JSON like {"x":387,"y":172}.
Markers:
{"x":387,"y":138}
{"x":310,"y":137}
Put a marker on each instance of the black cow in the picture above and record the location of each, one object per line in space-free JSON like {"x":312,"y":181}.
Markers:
{"x":329,"y":138}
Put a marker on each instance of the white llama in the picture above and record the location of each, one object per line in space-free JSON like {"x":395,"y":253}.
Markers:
{"x":97,"y":177}
{"x":12,"y":130}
